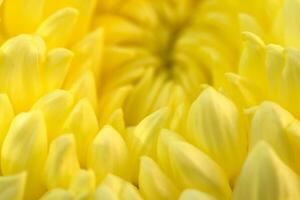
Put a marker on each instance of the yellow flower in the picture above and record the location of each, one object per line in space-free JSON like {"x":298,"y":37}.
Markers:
{"x":149,"y":99}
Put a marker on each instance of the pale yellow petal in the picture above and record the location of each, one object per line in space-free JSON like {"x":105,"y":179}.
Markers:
{"x":88,"y":55}
{"x":13,"y":187}
{"x":293,"y":133}
{"x":86,"y":87}
{"x":57,"y":194}
{"x":252,"y":61}
{"x":108,"y":153}
{"x":57,"y":28}
{"x":121,"y":189}
{"x":25,"y":148}
{"x":241,"y":90}
{"x":55,"y":106}
{"x":116,"y":120}
{"x":265,"y":176}
{"x":275,"y":65}
{"x":83,"y":123}
{"x":153,"y":183}
{"x":292,"y":23}
{"x":144,"y":137}
{"x":104,"y":192}
{"x":193,"y":169}
{"x":269,"y":124}
{"x":290,"y":81}
{"x":216,"y":127}
{"x":166,"y":137}
{"x":57,"y":65}
{"x":83,"y":183}
{"x":6,"y":116}
{"x":20,"y":78}
{"x":192,"y":194}
{"x":62,"y":163}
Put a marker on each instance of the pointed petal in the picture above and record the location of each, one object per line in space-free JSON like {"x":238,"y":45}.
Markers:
{"x":25,"y":148}
{"x":13,"y":187}
{"x":62,"y":163}
{"x":193,"y":169}
{"x":265,"y":176}
{"x":57,"y":194}
{"x":153,"y":183}
{"x":56,"y":68}
{"x":83,"y":183}
{"x":215,"y":126}
{"x":108,"y":153}
{"x":55,"y":106}
{"x":191,"y":194}
{"x":83,"y":123}
{"x":57,"y":28}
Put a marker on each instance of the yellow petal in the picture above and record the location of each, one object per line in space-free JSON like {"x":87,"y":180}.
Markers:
{"x":57,"y":66}
{"x":104,"y":192}
{"x":293,"y":133}
{"x":265,"y":176}
{"x":83,"y":183}
{"x":153,"y":183}
{"x":6,"y":116}
{"x":57,"y":28}
{"x":143,"y":139}
{"x":20,"y":78}
{"x":252,"y":61}
{"x":62,"y":163}
{"x":83,"y":123}
{"x":291,"y":23}
{"x":108,"y":154}
{"x":269,"y":124}
{"x":215,"y":126}
{"x":121,"y":189}
{"x":112,"y":101}
{"x":85,"y":87}
{"x":193,"y":169}
{"x":88,"y":54}
{"x":57,"y":194}
{"x":275,"y":64}
{"x":13,"y":187}
{"x":85,"y":13}
{"x":242,"y":91}
{"x":22,"y":16}
{"x":25,"y":148}
{"x":120,"y":30}
{"x":116,"y":120}
{"x":166,"y":137}
{"x":55,"y":106}
{"x":290,"y":82}
{"x":250,"y":24}
{"x":191,"y":194}
{"x":137,"y":99}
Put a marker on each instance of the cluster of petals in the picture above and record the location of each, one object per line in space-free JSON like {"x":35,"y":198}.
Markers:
{"x":150,"y":99}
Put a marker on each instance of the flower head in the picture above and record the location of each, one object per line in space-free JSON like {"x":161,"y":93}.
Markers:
{"x":150,"y":99}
